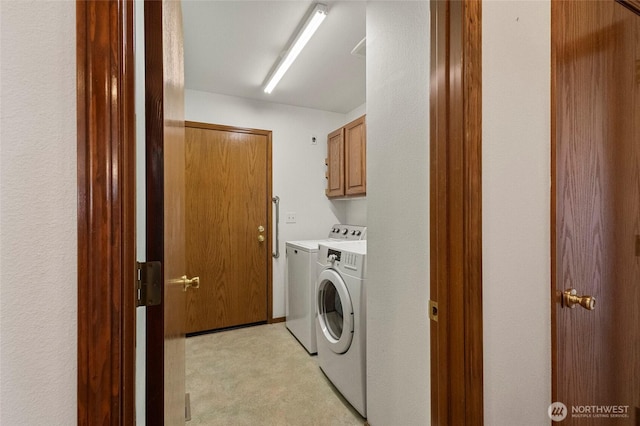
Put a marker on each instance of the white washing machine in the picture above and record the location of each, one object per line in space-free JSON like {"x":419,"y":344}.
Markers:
{"x":301,"y":281}
{"x":341,"y":319}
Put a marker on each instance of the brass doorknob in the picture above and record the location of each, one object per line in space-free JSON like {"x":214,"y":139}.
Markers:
{"x":261,"y":238}
{"x":190,"y":282}
{"x":570,"y":299}
{"x":260,"y":228}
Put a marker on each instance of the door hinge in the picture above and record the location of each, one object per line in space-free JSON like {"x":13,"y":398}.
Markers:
{"x":433,"y":310}
{"x":148,"y":283}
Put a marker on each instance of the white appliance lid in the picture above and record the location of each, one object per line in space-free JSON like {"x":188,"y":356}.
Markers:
{"x":306,"y":245}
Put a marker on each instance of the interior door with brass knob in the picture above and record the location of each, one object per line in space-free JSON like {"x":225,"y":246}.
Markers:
{"x":570,"y":299}
{"x":228,"y":226}
{"x":596,"y":187}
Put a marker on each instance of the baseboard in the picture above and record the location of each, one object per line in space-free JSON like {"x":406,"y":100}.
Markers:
{"x":275,"y":320}
{"x":218,"y":330}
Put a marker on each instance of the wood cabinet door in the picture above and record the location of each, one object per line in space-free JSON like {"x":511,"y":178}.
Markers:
{"x":335,"y":163}
{"x":355,"y":147}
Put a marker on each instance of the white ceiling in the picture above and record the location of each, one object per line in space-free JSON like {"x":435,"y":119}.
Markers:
{"x":230,"y":47}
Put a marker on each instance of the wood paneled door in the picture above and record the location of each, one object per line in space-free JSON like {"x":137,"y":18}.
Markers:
{"x":335,"y":163}
{"x":355,"y":157}
{"x":165,"y":207}
{"x":596,"y":210}
{"x":228,"y":193}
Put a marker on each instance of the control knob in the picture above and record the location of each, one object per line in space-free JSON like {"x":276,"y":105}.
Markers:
{"x":345,"y":231}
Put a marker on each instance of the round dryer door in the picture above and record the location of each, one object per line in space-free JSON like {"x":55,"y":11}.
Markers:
{"x":335,"y":311}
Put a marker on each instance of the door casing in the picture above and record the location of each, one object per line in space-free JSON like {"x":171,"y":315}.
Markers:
{"x":456,"y":213}
{"x":106,"y":212}
{"x":106,"y":321}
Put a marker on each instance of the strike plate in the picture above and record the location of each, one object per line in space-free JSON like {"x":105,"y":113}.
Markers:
{"x":433,"y":310}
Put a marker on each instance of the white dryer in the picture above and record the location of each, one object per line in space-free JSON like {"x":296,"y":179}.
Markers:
{"x":341,"y":319}
{"x":301,"y":281}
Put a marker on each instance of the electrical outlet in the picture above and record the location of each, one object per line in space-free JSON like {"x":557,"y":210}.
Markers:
{"x":291,"y":217}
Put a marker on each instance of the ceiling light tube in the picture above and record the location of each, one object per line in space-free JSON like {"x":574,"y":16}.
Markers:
{"x":310,"y":26}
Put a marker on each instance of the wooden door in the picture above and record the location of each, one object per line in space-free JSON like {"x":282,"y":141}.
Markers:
{"x":228,"y":225}
{"x":596,"y":136}
{"x":335,"y":163}
{"x":355,"y":149}
{"x":165,"y":165}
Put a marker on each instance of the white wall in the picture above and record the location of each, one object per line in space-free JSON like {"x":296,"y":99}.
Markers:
{"x":398,"y":213}
{"x":355,"y":210}
{"x":516,"y":196}
{"x":298,"y":166}
{"x":141,"y":209}
{"x":38,"y":217}
{"x":356,"y":112}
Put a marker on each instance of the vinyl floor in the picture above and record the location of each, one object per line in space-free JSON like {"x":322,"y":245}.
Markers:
{"x":260,"y":375}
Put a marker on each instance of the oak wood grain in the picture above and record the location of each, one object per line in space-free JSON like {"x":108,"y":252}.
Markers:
{"x":335,"y":163}
{"x":355,"y":162}
{"x":596,"y":212}
{"x":165,"y":163}
{"x":455,"y":213}
{"x":228,"y":199}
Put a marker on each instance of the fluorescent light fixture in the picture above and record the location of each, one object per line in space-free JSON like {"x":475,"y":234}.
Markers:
{"x":312,"y":23}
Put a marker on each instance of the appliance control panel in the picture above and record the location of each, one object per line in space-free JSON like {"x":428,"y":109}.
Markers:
{"x":348,"y":232}
{"x":334,"y":255}
{"x":345,"y":259}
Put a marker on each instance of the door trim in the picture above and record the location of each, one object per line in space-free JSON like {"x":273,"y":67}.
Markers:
{"x":456,"y":213}
{"x":632,"y":5}
{"x":106,"y":323}
{"x":553,"y":206}
{"x":268,"y":135}
{"x":106,"y":212}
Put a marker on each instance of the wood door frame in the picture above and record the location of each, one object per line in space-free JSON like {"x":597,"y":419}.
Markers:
{"x":456,"y":213}
{"x":553,"y":209}
{"x":268,"y":134}
{"x":106,"y":215}
{"x":106,"y":212}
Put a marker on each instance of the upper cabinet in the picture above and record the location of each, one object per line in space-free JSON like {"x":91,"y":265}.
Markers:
{"x":335,"y":163}
{"x":355,"y":148}
{"x":346,"y":160}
